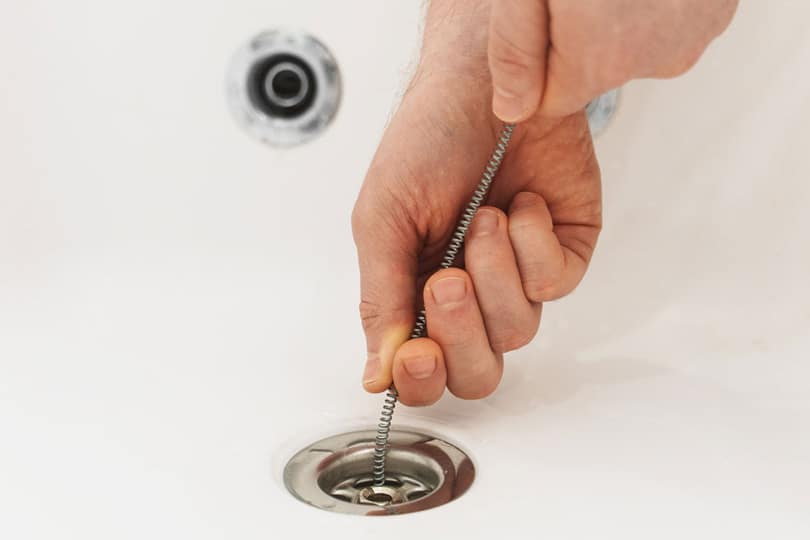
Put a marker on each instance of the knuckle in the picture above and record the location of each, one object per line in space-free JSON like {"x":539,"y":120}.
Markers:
{"x":389,"y":205}
{"x":682,"y":63}
{"x":511,"y":60}
{"x":586,"y":213}
{"x":360,"y":220}
{"x":479,"y":380}
{"x":540,"y":278}
{"x":616,"y":67}
{"x":724,"y":15}
{"x":613,"y":57}
{"x":454,"y":334}
{"x":591,"y":212}
{"x":513,"y":339}
{"x":541,"y":289}
{"x":582,"y":248}
{"x":527,"y":199}
{"x":479,"y":390}
{"x":370,"y":315}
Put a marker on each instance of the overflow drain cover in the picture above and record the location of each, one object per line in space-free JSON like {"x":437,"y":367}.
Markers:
{"x":422,"y":472}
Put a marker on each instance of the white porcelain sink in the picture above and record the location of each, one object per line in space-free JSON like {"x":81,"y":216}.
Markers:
{"x":178,"y":301}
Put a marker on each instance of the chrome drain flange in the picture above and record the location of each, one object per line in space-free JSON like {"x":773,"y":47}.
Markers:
{"x":422,"y":472}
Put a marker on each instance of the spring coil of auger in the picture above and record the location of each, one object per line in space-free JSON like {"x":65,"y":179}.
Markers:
{"x":420,"y":326}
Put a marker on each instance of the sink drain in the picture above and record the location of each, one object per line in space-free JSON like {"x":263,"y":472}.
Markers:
{"x":283,"y":87}
{"x":422,"y":472}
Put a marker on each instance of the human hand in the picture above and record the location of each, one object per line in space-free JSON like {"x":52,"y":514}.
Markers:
{"x":557,"y":55}
{"x":424,"y":172}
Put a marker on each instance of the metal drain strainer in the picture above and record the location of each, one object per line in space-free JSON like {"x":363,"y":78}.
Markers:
{"x":422,"y":472}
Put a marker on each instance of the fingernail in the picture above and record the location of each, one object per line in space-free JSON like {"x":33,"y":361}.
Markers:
{"x":486,"y":222}
{"x":420,"y":367}
{"x":448,"y":290}
{"x":508,"y":106}
{"x":372,"y":370}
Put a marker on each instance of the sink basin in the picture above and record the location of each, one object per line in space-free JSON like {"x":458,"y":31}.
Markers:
{"x":178,"y":300}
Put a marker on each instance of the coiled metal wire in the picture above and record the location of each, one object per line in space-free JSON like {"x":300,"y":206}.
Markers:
{"x":420,"y":326}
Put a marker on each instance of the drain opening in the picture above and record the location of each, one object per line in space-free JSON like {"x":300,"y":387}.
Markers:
{"x":283,"y":87}
{"x":287,"y":84}
{"x":380,"y":498}
{"x":422,"y":472}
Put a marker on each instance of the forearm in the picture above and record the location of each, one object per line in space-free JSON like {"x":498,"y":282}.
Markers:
{"x":558,"y":54}
{"x":455,"y":39}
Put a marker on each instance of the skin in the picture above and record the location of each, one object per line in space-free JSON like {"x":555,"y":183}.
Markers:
{"x":557,"y":55}
{"x":534,"y":240}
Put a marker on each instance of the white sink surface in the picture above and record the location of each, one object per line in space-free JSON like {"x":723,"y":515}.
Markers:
{"x":178,"y":302}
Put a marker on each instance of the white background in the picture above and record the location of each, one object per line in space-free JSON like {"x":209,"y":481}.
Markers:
{"x":178,"y":302}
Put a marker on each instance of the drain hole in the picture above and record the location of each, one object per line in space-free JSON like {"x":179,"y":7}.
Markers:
{"x":287,"y":84}
{"x":413,"y":495}
{"x":282,"y":86}
{"x":380,"y":498}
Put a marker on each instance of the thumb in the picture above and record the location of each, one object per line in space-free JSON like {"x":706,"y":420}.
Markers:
{"x":518,"y":42}
{"x":387,"y":263}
